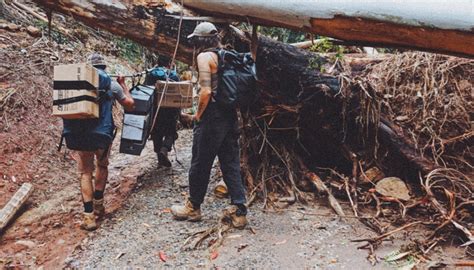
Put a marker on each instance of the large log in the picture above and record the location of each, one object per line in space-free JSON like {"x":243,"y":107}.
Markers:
{"x":288,"y":75}
{"x":438,"y":26}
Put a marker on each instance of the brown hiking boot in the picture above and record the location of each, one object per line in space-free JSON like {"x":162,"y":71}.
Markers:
{"x":88,"y":222}
{"x":221,"y":190}
{"x":99,"y":209}
{"x":163,"y":157}
{"x":186,"y":212}
{"x":237,"y":218}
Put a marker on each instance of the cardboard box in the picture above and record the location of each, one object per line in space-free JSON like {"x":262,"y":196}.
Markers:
{"x":177,"y":95}
{"x":135,"y":131}
{"x":144,"y":98}
{"x":75,"y":76}
{"x":75,"y":104}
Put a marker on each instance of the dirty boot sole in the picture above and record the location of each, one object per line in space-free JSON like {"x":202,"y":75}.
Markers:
{"x":163,"y":160}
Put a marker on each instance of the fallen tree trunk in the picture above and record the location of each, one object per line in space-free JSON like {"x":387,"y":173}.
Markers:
{"x":327,"y":119}
{"x":439,"y":26}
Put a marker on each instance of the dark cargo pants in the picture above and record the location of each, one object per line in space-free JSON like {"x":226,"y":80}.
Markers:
{"x":164,"y":133}
{"x":217,"y":134}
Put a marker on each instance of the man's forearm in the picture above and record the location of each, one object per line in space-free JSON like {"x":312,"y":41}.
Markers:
{"x":204,"y":98}
{"x":126,"y":91}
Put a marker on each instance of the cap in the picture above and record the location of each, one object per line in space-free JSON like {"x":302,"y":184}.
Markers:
{"x":96,"y":59}
{"x":205,"y":29}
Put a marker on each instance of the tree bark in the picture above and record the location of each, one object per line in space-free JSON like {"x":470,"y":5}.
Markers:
{"x":288,"y":76}
{"x":437,"y":26}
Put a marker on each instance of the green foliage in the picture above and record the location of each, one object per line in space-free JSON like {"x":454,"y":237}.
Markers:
{"x":325,"y":45}
{"x":316,"y":63}
{"x":277,"y":33}
{"x":282,"y":34}
{"x":129,"y":50}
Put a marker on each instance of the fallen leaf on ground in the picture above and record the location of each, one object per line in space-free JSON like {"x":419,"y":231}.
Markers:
{"x":252,"y":230}
{"x":162,"y":256}
{"x":333,"y":261}
{"x":214,"y":255}
{"x":146,"y":225}
{"x":166,"y":210}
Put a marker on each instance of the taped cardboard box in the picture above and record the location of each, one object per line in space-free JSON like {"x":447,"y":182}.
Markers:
{"x":177,"y":95}
{"x":75,"y":76}
{"x":75,"y":104}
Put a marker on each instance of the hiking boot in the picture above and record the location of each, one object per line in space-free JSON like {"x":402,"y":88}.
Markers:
{"x":88,"y":222}
{"x":221,"y":190}
{"x":186,"y":212}
{"x":163,"y":157}
{"x":237,"y":216}
{"x":99,"y":209}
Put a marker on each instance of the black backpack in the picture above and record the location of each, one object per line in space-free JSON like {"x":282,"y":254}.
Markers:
{"x":237,"y":79}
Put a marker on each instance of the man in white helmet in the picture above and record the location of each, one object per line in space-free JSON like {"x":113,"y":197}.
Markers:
{"x":216,"y":133}
{"x":98,"y":160}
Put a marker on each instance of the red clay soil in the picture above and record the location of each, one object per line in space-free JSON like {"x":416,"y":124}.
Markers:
{"x":47,"y":229}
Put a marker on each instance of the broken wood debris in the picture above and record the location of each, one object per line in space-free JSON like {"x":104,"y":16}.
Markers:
{"x":15,"y":203}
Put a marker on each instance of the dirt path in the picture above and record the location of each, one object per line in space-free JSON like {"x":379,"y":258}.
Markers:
{"x":135,"y":235}
{"x":48,"y":230}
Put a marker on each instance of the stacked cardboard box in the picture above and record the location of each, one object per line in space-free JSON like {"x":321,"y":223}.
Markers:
{"x":75,"y":91}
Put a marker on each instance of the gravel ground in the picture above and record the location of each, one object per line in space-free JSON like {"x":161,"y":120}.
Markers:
{"x":135,"y":235}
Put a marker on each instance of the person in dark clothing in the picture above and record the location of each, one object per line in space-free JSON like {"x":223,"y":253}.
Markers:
{"x":164,"y":132}
{"x":216,"y":133}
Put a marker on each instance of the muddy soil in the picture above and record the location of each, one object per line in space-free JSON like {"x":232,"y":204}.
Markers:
{"x":46,"y":230}
{"x":135,"y":235}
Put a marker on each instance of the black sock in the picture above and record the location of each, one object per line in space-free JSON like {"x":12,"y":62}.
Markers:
{"x":88,"y":207}
{"x":242,"y":210}
{"x":98,"y":194}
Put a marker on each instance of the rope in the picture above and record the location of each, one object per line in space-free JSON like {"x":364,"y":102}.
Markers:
{"x":165,"y":88}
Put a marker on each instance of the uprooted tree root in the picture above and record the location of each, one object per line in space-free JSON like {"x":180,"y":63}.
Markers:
{"x":428,"y":96}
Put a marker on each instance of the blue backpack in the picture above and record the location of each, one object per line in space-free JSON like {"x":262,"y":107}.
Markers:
{"x":93,"y":134}
{"x":160,"y":73}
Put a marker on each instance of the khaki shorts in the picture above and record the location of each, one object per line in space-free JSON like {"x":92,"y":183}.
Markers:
{"x":85,"y":160}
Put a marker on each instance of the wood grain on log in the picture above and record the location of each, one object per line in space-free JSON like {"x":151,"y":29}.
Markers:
{"x":442,"y":27}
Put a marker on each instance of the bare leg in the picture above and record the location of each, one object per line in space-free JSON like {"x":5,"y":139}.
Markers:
{"x":101,"y":175}
{"x":86,"y":187}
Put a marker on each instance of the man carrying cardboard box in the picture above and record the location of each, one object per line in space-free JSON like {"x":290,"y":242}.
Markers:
{"x":164,"y":132}
{"x":93,"y":193}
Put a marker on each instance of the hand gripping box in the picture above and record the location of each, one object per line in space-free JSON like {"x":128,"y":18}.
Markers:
{"x":143,"y":97}
{"x":177,"y":94}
